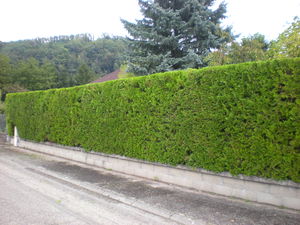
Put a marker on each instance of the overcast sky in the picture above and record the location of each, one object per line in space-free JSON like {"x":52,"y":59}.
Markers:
{"x":29,"y":19}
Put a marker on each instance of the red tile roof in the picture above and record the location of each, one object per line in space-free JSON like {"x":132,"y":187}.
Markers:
{"x":110,"y":76}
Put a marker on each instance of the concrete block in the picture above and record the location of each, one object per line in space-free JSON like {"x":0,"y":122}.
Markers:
{"x":234,"y":183}
{"x":160,"y":169}
{"x":196,"y":181}
{"x":285,"y":191}
{"x":213,"y":179}
{"x":222,"y":190}
{"x":269,"y":199}
{"x":162,"y":173}
{"x":108,"y":164}
{"x":95,"y":161}
{"x":65,"y":154}
{"x":119,"y":165}
{"x":292,"y":203}
{"x":144,"y":170}
{"x":257,"y":187}
{"x":244,"y":194}
{"x":207,"y":186}
{"x":188,"y":178}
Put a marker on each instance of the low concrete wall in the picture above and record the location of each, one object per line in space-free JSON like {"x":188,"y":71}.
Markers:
{"x":2,"y":123}
{"x":285,"y":193}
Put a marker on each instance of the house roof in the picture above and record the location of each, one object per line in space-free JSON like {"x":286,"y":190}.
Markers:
{"x":110,"y":76}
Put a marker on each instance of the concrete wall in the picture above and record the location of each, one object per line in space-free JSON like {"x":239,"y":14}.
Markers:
{"x":2,"y":123}
{"x":285,"y":193}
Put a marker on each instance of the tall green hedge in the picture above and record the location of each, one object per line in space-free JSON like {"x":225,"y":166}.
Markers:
{"x":242,"y":118}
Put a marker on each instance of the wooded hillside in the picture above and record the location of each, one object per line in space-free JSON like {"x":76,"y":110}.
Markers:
{"x":62,"y":61}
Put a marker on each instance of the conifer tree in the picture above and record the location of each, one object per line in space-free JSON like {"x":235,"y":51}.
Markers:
{"x":174,"y":34}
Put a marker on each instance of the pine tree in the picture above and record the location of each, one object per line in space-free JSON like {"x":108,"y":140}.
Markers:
{"x":174,"y":34}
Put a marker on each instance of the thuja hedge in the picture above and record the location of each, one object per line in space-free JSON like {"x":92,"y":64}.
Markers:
{"x":244,"y":118}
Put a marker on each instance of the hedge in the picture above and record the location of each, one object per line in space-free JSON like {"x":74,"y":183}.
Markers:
{"x":244,"y":118}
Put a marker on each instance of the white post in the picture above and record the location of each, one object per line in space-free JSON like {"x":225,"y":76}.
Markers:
{"x":16,"y":137}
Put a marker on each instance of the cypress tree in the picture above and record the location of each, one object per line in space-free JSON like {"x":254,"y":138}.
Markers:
{"x":174,"y":34}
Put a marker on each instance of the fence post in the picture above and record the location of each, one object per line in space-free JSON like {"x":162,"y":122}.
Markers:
{"x":16,"y":137}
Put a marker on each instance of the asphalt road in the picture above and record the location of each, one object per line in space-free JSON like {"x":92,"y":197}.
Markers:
{"x":39,"y":189}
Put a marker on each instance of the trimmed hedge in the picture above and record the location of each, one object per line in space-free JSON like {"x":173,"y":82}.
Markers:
{"x":244,"y":118}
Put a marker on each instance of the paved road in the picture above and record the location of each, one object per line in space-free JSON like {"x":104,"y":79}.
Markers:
{"x":40,"y":189}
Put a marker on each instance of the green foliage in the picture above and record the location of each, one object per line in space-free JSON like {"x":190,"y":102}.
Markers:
{"x":7,"y":79}
{"x":30,"y":75}
{"x":288,"y":42}
{"x":255,"y":48}
{"x":84,"y":75}
{"x":174,"y":35}
{"x":67,"y":54}
{"x":252,"y":48}
{"x":5,"y":71}
{"x":244,"y":118}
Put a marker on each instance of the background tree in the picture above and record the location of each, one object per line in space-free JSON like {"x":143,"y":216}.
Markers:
{"x":68,"y":53}
{"x":84,"y":75}
{"x":7,"y":83}
{"x":30,"y":75}
{"x":251,"y":48}
{"x":5,"y":71}
{"x":174,"y":34}
{"x":256,"y":47}
{"x":288,"y":42}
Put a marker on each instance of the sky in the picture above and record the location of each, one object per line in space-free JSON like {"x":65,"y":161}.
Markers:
{"x":29,"y":19}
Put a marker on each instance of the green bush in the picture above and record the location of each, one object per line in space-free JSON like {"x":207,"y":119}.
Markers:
{"x":244,"y":118}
